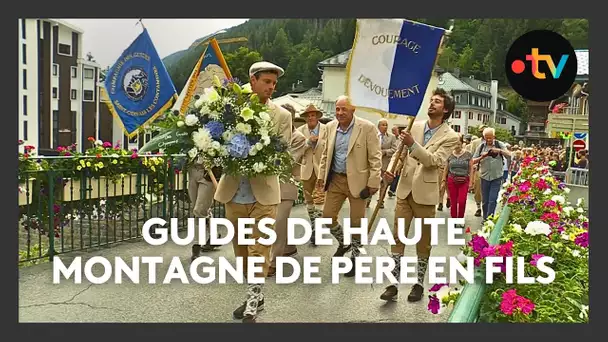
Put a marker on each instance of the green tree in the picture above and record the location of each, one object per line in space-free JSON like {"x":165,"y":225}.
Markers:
{"x":240,"y":61}
{"x":448,"y":59}
{"x":465,"y":61}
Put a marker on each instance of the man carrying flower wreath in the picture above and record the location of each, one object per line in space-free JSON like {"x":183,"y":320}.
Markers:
{"x":256,"y":197}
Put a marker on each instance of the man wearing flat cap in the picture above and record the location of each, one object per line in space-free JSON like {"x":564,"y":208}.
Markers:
{"x":350,"y":168}
{"x":256,"y":197}
{"x":316,"y":135}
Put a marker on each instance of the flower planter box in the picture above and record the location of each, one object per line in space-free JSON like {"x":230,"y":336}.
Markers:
{"x":25,"y":195}
{"x":100,"y":187}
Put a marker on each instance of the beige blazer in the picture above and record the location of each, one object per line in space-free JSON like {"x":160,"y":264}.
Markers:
{"x":266,"y":189}
{"x":312,"y":156}
{"x":364,"y":159}
{"x":420,"y":172}
{"x":289,"y":191}
{"x":388,"y":147}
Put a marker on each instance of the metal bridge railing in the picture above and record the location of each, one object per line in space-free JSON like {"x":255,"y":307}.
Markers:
{"x":65,"y":209}
{"x":577,"y":176}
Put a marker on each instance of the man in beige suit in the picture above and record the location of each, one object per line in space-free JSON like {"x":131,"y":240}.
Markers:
{"x":388,"y":146}
{"x":476,"y":183}
{"x":429,"y":144}
{"x":289,"y":193}
{"x":350,"y":167}
{"x":256,"y":197}
{"x":316,"y":136}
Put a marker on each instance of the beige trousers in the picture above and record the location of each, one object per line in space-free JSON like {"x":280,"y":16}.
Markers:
{"x":408,"y":209}
{"x":280,"y":247}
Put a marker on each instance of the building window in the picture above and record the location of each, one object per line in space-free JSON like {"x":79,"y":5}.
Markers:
{"x":55,"y":69}
{"x":64,"y":49}
{"x":503,"y":121}
{"x":456,"y":128}
{"x":24,"y":130}
{"x":478,"y":117}
{"x":55,"y":93}
{"x":502,"y":106}
{"x":470,"y":115}
{"x":55,"y":127}
{"x":24,"y":105}
{"x":74,"y":72}
{"x":457,"y":98}
{"x":456,"y":114}
{"x":74,"y":94}
{"x":88,"y":95}
{"x":23,"y":28}
{"x":89,"y":73}
{"x":24,"y":53}
{"x":24,"y":79}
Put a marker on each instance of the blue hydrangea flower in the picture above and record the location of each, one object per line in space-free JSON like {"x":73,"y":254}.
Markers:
{"x":239,"y":146}
{"x":216,"y":129}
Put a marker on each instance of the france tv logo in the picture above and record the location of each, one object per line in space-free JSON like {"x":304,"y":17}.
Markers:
{"x":541,"y":65}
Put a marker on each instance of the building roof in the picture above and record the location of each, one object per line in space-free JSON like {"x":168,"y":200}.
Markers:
{"x":582,"y":59}
{"x":507,"y":114}
{"x":475,"y":83}
{"x":449,"y":82}
{"x":66,"y":24}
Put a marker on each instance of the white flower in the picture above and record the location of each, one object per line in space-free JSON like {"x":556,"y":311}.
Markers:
{"x":265,"y":116}
{"x":584,"y":312}
{"x":211,"y":152}
{"x":191,"y":120}
{"x":535,"y":176}
{"x":246,"y":89}
{"x":547,"y":192}
{"x":507,"y":183}
{"x":193,"y":152}
{"x":443,"y":292}
{"x":265,"y":140}
{"x":558,"y":199}
{"x":247,"y":113}
{"x":579,"y":202}
{"x":516,"y":227}
{"x":537,"y":228}
{"x":568,"y":210}
{"x":98,"y":142}
{"x":202,"y":139}
{"x":461,"y":257}
{"x":259,"y":167}
{"x":243,"y":128}
{"x":223,"y":151}
{"x":484,"y":234}
{"x":210,"y":95}
{"x":253,"y":151}
{"x":180,"y":123}
{"x":582,"y":217}
{"x":565,"y":236}
{"x":214,"y":115}
{"x":216,"y":81}
{"x":259,"y":146}
{"x":216,"y":145}
{"x":199,"y":103}
{"x":567,"y":190}
{"x":576,"y":253}
{"x":227,"y":135}
{"x":580,"y":210}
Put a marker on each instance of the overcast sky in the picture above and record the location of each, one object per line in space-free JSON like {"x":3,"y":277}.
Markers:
{"x":106,"y":39}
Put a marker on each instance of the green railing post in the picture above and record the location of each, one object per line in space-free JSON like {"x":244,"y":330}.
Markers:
{"x":51,"y":208}
{"x":466,"y":309}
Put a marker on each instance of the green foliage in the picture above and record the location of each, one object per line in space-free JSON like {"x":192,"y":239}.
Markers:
{"x":477,"y":46}
{"x":502,"y":134}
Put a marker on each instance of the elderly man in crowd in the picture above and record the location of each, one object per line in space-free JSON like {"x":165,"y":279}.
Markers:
{"x":350,"y":168}
{"x":476,"y":181}
{"x":388,"y":145}
{"x":489,"y":156}
{"x":316,"y":135}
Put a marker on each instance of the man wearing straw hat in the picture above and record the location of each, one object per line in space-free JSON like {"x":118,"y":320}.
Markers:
{"x":429,"y":143}
{"x":350,"y":168}
{"x":256,"y":197}
{"x":316,"y":134}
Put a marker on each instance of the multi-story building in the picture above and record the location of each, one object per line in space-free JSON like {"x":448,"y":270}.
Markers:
{"x":477,"y":102}
{"x":59,"y":102}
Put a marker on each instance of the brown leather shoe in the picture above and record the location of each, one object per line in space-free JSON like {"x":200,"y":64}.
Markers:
{"x":390,"y":294}
{"x":416,"y":293}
